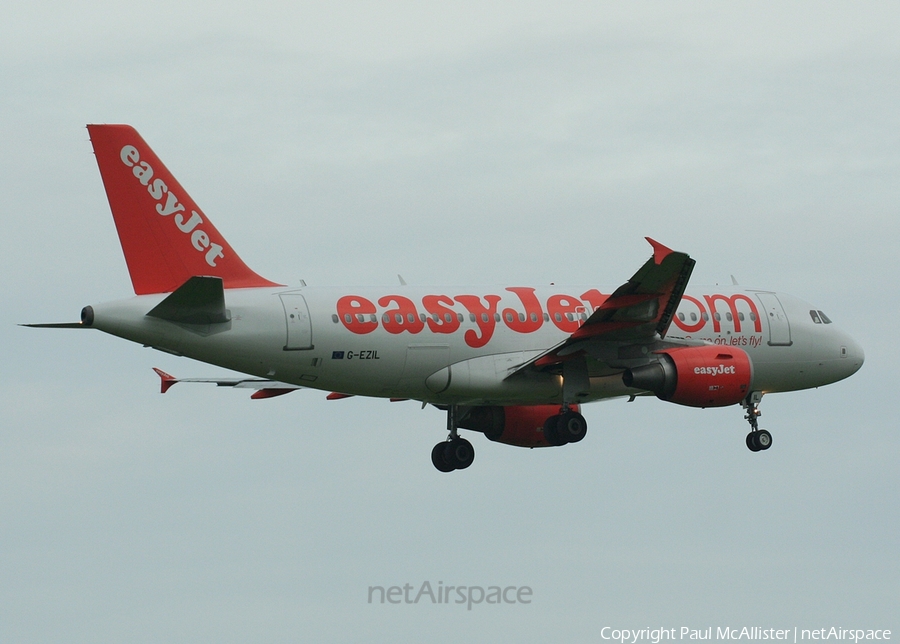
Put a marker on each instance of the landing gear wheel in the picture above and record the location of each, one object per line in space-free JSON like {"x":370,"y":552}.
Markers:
{"x":455,"y":454}
{"x":759,"y":440}
{"x":571,"y":427}
{"x":551,"y":431}
{"x":459,"y":453}
{"x":751,"y":442}
{"x":438,"y":459}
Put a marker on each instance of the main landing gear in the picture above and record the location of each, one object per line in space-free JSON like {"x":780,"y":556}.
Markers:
{"x":455,"y":453}
{"x":521,"y":427}
{"x":566,"y":427}
{"x":758,"y":439}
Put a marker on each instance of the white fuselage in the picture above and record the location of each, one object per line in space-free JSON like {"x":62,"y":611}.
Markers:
{"x":462,"y":345}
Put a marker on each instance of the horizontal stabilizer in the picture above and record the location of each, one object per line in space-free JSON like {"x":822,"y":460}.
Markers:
{"x":200,"y":300}
{"x":58,"y":325}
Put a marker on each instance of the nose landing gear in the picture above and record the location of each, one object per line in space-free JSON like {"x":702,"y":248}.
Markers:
{"x":758,"y":439}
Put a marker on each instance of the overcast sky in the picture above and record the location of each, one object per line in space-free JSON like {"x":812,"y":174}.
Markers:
{"x":515,"y":143}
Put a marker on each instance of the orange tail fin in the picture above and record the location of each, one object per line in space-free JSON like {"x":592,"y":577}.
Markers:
{"x":166,"y":238}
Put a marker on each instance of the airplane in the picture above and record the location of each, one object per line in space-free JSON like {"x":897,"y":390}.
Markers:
{"x":513,"y":363}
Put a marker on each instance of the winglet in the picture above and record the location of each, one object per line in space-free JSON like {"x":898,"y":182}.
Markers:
{"x":165,"y":380}
{"x":660,"y":252}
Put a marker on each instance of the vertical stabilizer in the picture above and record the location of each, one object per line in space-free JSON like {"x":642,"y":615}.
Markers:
{"x":165,"y":236}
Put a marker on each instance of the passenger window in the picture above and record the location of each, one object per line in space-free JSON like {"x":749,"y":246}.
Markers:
{"x":693,"y":317}
{"x":717,"y":317}
{"x":815,"y":317}
{"x":729,"y":317}
{"x":681,"y":316}
{"x":334,"y":318}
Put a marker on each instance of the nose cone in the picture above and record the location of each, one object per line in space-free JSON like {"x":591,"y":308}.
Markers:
{"x":855,"y":356}
{"x":837,"y":355}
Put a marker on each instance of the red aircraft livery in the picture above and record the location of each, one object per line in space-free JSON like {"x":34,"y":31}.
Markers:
{"x":513,"y":363}
{"x":399,"y":314}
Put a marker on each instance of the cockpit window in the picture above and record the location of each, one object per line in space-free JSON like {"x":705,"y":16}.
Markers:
{"x":824,"y":317}
{"x":815,"y":317}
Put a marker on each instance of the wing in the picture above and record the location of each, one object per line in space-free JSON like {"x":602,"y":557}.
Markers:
{"x":264,"y":388}
{"x":640,"y":310}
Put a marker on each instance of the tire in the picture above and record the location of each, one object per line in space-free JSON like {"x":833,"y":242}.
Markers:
{"x":459,"y":453}
{"x":571,"y":427}
{"x":551,"y":431}
{"x":763,"y":439}
{"x":439,"y":459}
{"x":751,"y":442}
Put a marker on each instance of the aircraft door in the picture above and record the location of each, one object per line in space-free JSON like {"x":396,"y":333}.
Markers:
{"x":299,"y":326}
{"x":779,"y":326}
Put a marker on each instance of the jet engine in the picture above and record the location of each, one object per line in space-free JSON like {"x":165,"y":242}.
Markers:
{"x":707,"y":376}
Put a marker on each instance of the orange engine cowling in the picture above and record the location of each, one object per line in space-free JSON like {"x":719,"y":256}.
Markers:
{"x":522,"y":426}
{"x":708,"y":376}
